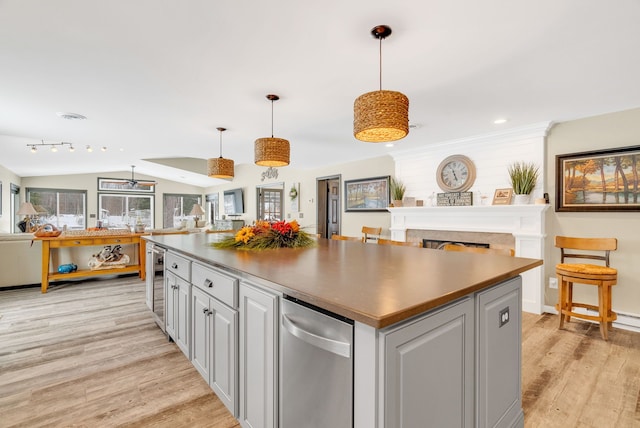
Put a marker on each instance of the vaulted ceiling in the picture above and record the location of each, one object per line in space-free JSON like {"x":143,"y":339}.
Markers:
{"x":156,"y":78}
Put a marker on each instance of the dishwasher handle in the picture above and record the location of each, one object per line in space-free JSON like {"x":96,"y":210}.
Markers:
{"x":334,"y":346}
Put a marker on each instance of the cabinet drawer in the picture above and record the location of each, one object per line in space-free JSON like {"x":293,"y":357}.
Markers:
{"x":74,"y":242}
{"x":215,"y":283}
{"x":112,"y":241}
{"x":178,"y":265}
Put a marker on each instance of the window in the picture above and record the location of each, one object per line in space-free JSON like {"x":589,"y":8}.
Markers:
{"x":177,"y":208}
{"x":59,"y":207}
{"x":213,"y":207}
{"x":125,"y":211}
{"x":270,"y":202}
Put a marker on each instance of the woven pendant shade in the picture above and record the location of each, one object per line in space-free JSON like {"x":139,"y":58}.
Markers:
{"x":272,"y":151}
{"x":220,"y":167}
{"x":381,"y":116}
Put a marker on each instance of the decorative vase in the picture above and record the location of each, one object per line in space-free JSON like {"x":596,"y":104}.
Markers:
{"x":521,"y":199}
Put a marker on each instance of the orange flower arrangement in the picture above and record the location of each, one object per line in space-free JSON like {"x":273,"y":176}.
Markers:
{"x":264,"y":235}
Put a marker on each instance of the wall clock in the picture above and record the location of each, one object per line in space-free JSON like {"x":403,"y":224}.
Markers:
{"x":456,"y":174}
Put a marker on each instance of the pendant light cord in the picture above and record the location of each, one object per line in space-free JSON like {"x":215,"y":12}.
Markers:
{"x":220,"y":143}
{"x":380,"y":65}
{"x":271,"y":118}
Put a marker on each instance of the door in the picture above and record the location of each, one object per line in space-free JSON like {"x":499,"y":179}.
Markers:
{"x":223,"y":366}
{"x":328,"y":206}
{"x":183,"y":316}
{"x":200,"y":328}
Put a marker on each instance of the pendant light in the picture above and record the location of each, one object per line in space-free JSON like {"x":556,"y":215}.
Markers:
{"x":270,"y":151}
{"x":220,"y":167}
{"x":381,"y":116}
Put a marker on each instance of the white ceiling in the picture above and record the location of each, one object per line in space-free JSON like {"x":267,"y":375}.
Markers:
{"x":156,"y":78}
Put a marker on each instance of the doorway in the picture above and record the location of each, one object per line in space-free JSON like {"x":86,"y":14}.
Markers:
{"x":328,"y":192}
{"x":270,"y":206}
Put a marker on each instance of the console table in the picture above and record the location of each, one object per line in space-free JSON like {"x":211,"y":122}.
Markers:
{"x":49,"y":243}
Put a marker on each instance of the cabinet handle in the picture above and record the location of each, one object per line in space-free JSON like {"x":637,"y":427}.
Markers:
{"x":205,"y":311}
{"x":334,"y":346}
{"x":174,"y":266}
{"x":208,"y":283}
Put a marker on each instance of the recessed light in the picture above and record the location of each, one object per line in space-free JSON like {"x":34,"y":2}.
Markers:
{"x":500,"y":121}
{"x":89,"y":149}
{"x":104,"y":148}
{"x":70,"y":116}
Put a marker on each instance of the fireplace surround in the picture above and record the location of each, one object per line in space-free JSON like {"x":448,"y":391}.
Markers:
{"x":520,"y":227}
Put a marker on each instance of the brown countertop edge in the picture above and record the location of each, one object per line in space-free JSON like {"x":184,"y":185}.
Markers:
{"x":358,"y":289}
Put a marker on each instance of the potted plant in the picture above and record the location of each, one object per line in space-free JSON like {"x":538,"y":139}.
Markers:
{"x":523,"y":179}
{"x":397,"y":188}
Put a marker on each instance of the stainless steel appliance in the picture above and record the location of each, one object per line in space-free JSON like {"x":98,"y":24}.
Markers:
{"x":316,"y":367}
{"x":155,"y":283}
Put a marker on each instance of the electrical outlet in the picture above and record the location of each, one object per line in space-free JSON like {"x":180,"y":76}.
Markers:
{"x":553,"y":282}
{"x":503,"y":317}
{"x":301,"y":215}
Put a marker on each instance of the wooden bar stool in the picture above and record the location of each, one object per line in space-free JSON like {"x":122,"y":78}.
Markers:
{"x":604,"y":277}
{"x":370,"y":233}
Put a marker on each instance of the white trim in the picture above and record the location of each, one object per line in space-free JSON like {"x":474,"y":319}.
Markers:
{"x":629,"y":322}
{"x":536,"y":130}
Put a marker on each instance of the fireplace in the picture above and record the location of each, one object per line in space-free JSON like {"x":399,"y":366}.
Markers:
{"x":520,"y":227}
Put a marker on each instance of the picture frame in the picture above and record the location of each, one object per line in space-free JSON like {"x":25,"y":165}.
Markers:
{"x":502,"y":196}
{"x":367,"y":194}
{"x":598,"y":180}
{"x":117,"y":185}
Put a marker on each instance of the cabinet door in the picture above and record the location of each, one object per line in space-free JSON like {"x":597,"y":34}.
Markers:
{"x":201,"y":336}
{"x":498,"y":393}
{"x":258,"y":344}
{"x":428,"y":370}
{"x":224,"y":373}
{"x":183,"y":317}
{"x":149,"y":276}
{"x":171,"y":291}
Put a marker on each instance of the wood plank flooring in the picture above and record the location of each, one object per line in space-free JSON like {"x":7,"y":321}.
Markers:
{"x":88,"y":354}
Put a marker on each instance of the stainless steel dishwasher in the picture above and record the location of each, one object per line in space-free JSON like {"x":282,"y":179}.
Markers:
{"x":316,"y":367}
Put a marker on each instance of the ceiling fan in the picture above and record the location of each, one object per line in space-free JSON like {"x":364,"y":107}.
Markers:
{"x":132,"y":183}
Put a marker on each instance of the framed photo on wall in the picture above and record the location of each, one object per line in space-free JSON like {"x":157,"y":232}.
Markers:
{"x":367,"y":194}
{"x":600,"y":180}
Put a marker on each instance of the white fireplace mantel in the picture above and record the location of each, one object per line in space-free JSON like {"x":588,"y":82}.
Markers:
{"x":524,"y":222}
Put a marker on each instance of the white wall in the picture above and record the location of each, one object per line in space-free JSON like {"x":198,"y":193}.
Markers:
{"x":248,"y":177}
{"x":7,"y":177}
{"x":608,"y":131}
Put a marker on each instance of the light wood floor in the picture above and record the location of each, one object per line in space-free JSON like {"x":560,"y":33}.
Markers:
{"x":88,"y":354}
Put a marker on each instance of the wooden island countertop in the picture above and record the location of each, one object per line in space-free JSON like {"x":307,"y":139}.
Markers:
{"x":378,"y":285}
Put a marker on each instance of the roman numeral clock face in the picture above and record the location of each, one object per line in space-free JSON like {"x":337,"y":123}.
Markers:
{"x":456,"y":174}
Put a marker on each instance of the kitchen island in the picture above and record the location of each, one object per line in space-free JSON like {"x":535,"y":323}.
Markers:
{"x":413,"y":310}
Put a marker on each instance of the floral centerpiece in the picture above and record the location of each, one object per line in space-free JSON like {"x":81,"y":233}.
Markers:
{"x":264,"y":235}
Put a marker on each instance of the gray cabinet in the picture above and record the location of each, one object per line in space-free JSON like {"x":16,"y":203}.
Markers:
{"x":178,"y":294}
{"x":258,"y":357}
{"x":428,"y":370}
{"x":214,"y":333}
{"x":498,"y":350}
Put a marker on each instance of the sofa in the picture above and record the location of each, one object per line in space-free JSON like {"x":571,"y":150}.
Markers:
{"x":20,"y":259}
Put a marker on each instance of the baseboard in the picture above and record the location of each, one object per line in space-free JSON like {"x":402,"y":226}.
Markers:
{"x":625,"y":321}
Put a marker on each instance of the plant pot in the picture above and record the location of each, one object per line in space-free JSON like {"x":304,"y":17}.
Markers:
{"x":521,"y":199}
{"x":397,"y":203}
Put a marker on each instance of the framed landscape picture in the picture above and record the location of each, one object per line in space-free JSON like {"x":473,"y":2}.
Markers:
{"x":602,"y":180}
{"x":367,"y":194}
